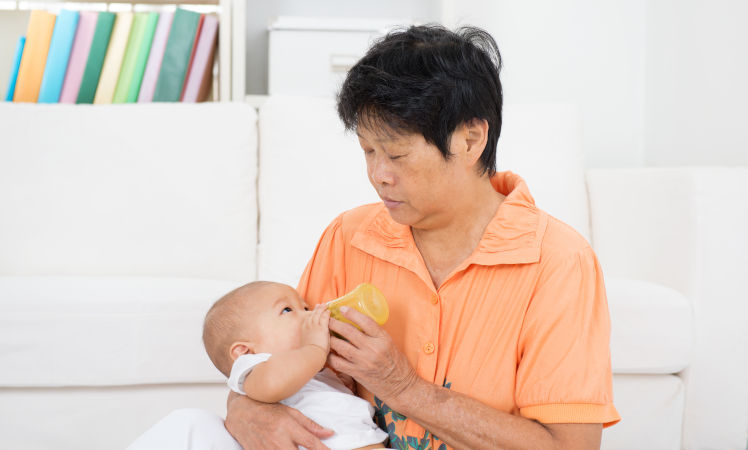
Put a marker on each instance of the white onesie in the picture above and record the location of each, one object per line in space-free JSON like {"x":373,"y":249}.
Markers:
{"x":325,"y":400}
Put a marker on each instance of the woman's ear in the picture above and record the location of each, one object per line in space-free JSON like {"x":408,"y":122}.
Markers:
{"x":241,"y":348}
{"x":476,"y":136}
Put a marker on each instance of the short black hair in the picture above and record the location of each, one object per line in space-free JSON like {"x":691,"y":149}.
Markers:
{"x":429,"y":80}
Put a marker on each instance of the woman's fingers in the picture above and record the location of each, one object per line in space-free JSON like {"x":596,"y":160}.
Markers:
{"x":340,"y":364}
{"x":348,"y":331}
{"x":261,"y":425}
{"x":342,"y":348}
{"x":311,"y":432}
{"x":366,"y":323}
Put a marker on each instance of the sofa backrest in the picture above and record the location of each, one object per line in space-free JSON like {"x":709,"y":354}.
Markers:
{"x":311,"y":171}
{"x":156,"y":190}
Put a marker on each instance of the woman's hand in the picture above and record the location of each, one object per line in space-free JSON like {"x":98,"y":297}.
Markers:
{"x":258,"y":425}
{"x":370,"y":357}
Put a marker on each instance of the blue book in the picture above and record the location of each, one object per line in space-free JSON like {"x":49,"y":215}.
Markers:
{"x":14,"y":69}
{"x":57,"y":59}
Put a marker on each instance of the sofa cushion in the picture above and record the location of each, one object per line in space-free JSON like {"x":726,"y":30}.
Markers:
{"x":96,"y":418}
{"x":104,"y":331}
{"x":128,"y":190}
{"x":651,"y":327}
{"x":651,"y":410}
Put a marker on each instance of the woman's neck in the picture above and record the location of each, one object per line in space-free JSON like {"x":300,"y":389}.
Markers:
{"x":458,"y":233}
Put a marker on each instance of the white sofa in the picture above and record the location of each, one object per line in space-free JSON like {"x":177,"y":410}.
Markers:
{"x":120,"y":225}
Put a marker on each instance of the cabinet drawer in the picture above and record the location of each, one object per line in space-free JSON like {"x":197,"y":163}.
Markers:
{"x":313,"y":62}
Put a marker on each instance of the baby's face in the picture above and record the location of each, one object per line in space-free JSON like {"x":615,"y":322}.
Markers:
{"x":278,"y":314}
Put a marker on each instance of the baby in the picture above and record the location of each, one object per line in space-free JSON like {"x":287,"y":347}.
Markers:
{"x":273,"y":349}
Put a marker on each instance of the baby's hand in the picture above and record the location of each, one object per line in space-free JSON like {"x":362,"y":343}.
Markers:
{"x":314,"y":329}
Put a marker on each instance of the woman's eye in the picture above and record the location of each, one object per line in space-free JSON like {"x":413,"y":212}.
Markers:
{"x":394,"y":157}
{"x":286,"y":309}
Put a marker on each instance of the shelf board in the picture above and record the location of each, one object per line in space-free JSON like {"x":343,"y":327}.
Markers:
{"x":128,"y":2}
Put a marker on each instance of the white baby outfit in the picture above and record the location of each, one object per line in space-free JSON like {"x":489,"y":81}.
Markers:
{"x":325,"y":400}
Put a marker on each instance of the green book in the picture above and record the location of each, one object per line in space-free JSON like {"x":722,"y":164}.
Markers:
{"x":176,"y":56}
{"x":143,"y":52}
{"x":99,"y":44}
{"x":131,"y":55}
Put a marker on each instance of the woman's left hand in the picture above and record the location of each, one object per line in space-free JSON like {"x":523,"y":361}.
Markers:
{"x":370,"y":357}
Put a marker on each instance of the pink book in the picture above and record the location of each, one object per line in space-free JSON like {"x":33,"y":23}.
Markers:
{"x":153,"y":67}
{"x":203,"y":62}
{"x":78,"y":56}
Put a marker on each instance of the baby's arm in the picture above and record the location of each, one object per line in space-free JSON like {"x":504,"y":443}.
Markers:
{"x":284,"y":373}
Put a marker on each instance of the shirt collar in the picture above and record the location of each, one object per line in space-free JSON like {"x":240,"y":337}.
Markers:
{"x":513,"y":236}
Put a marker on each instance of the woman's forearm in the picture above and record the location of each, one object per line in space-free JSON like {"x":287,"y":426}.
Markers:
{"x":463,"y":422}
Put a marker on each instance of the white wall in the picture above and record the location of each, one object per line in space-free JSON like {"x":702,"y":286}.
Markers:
{"x":586,"y":52}
{"x":697,"y":82}
{"x":657,"y":82}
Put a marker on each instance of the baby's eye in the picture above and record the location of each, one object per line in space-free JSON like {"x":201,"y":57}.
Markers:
{"x":306,"y":308}
{"x":286,"y":309}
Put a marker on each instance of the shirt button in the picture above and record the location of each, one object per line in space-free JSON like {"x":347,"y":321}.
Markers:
{"x":434,"y":299}
{"x":428,"y":348}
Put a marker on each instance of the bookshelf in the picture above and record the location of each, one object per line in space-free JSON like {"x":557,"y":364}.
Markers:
{"x":231,"y":32}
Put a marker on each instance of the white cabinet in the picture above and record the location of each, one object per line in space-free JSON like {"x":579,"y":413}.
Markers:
{"x":308,"y":56}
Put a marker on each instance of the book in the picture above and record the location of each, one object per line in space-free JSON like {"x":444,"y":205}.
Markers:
{"x":192,"y":53}
{"x":176,"y":56}
{"x":128,"y":60}
{"x":142,"y":58}
{"x":14,"y":69}
{"x":34,"y":58}
{"x":153,"y":66}
{"x":200,"y":75}
{"x":99,"y":45}
{"x":58,"y":56}
{"x":113,"y":60}
{"x":78,"y":56}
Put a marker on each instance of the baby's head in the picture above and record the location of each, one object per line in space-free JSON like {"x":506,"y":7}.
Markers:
{"x":259,"y":317}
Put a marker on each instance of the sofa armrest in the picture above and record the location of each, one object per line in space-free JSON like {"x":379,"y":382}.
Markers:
{"x":687,"y":229}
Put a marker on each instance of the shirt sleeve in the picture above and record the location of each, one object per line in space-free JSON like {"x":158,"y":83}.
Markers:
{"x":564,"y":372}
{"x":324,"y":277}
{"x":241,"y":368}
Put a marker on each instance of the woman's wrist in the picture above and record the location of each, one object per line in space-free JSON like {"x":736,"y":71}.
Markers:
{"x":407,"y":393}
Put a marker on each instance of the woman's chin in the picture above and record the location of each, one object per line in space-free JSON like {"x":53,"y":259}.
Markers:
{"x":402,"y":217}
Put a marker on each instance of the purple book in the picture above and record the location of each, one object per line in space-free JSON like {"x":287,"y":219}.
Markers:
{"x":79,"y":56}
{"x":153,"y":67}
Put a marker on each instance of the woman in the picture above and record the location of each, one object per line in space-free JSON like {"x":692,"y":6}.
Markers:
{"x":499,"y":329}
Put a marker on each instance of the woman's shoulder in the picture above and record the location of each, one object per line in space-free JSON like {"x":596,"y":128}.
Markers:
{"x":561,"y":241}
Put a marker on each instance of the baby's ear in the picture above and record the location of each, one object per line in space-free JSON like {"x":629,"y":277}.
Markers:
{"x":241,"y":348}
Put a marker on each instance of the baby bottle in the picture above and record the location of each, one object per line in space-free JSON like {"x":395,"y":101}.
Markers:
{"x":367,"y":299}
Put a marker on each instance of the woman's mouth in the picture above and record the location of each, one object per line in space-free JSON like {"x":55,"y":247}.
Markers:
{"x":390,"y":203}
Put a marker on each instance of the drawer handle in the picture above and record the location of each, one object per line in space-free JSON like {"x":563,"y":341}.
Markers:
{"x":343,"y":63}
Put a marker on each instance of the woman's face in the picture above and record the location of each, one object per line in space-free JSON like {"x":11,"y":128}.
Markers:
{"x":417,"y":185}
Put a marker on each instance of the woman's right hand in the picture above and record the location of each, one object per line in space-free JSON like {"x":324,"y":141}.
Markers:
{"x":257,"y":425}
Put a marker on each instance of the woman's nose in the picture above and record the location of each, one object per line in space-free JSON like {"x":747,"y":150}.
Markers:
{"x":379,"y":171}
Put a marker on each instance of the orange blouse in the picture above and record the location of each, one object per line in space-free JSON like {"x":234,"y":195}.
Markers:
{"x":522,"y":325}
